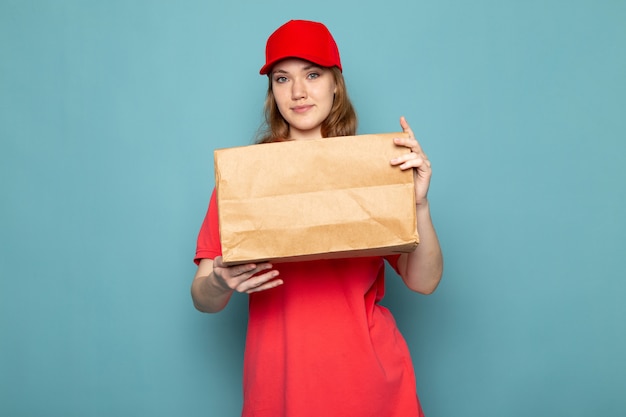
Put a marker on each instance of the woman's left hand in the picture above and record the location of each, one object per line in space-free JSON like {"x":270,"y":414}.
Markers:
{"x":416,"y":160}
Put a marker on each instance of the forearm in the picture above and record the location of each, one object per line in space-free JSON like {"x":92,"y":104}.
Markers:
{"x":422,"y":269}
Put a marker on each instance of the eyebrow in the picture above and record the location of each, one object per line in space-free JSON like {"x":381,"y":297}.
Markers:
{"x":306,"y":68}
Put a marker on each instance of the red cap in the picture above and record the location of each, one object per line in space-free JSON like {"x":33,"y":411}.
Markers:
{"x":301,"y":39}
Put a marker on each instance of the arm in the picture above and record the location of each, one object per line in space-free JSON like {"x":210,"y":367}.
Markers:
{"x":214,"y":282}
{"x":421,"y":270}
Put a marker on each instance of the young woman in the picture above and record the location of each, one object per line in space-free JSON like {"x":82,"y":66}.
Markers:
{"x":318,"y":342}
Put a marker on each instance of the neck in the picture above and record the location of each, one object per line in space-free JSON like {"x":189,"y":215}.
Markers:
{"x":295,"y":134}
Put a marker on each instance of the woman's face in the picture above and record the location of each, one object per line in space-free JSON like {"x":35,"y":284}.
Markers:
{"x":304,"y":93}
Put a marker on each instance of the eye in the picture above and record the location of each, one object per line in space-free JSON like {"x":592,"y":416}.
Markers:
{"x":280,"y":79}
{"x":313,"y":75}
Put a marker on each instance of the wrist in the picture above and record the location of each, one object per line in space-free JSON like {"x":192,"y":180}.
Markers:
{"x":422,"y":210}
{"x":218,"y":284}
{"x":423,"y":203}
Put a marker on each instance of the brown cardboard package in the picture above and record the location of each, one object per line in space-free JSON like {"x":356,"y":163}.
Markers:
{"x":323,"y":198}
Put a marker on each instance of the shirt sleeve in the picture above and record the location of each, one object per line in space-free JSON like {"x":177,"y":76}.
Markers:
{"x":392,"y":260}
{"x":208,"y":245}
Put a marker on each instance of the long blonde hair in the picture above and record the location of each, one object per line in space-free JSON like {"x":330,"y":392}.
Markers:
{"x":341,"y":121}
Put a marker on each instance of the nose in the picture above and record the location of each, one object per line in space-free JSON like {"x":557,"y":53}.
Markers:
{"x":298,"y":89}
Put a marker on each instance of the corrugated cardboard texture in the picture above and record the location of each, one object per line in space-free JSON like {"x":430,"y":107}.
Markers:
{"x":324,"y":198}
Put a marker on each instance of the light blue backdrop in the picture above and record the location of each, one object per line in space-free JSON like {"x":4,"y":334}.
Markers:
{"x":110,"y":111}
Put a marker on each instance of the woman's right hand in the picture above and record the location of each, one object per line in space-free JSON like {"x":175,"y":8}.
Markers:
{"x":214,"y":282}
{"x":246,"y":278}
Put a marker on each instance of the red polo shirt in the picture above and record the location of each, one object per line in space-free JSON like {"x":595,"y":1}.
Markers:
{"x":320,"y":344}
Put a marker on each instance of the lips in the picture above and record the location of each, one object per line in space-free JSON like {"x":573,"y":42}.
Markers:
{"x":301,"y":109}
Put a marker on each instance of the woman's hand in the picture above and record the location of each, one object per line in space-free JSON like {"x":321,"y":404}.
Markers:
{"x":214,"y":282}
{"x":421,"y":269}
{"x":416,"y":160}
{"x":246,"y":278}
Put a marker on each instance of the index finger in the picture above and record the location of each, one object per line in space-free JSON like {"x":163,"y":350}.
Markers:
{"x":234,"y":269}
{"x":405,"y":127}
{"x":412,"y":141}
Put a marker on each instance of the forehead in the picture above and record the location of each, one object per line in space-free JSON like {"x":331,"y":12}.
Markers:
{"x":294,"y":65}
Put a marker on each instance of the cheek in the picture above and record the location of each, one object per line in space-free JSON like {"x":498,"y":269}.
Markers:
{"x":331,"y":96}
{"x":332,"y":90}
{"x":280,"y":99}
{"x":282,"y":104}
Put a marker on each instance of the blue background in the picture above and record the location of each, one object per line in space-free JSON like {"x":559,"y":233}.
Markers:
{"x":110,"y":111}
